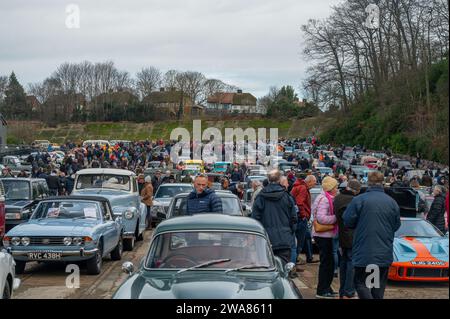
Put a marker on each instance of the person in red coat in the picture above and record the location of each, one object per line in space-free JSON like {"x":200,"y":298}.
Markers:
{"x":302,"y":197}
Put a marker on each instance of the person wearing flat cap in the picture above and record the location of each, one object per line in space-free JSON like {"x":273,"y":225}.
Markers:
{"x":323,"y":212}
{"x":347,"y":287}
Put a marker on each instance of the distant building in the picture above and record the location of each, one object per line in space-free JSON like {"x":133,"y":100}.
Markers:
{"x":33,"y":102}
{"x":3,"y":128}
{"x":232,"y":102}
{"x":122,"y":98}
{"x":302,"y":103}
{"x":169,"y":101}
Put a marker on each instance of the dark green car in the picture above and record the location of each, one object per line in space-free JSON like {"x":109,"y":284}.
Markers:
{"x":209,"y":256}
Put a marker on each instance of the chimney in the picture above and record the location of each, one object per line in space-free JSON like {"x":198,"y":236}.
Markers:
{"x":161,"y":89}
{"x":239,"y":91}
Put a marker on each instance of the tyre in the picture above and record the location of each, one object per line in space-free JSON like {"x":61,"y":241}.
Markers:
{"x":94,"y":265}
{"x":128,"y":244}
{"x":139,"y":237}
{"x":116,"y":254}
{"x":20,"y":267}
{"x":7,"y":291}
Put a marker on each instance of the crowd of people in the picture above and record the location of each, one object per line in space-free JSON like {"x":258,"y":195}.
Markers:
{"x":351,"y":230}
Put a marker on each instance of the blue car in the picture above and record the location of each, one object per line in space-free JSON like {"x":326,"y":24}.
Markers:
{"x":68,"y":229}
{"x":121,"y":188}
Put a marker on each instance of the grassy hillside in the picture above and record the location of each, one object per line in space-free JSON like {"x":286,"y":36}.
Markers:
{"x":25,"y":132}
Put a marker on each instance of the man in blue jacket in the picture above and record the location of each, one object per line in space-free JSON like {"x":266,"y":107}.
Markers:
{"x":375,"y":217}
{"x":202,"y":199}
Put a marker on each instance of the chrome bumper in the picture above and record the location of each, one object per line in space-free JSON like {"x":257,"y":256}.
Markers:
{"x":73,"y":253}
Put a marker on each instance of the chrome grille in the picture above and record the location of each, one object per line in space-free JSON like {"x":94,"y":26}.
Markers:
{"x":46,"y":241}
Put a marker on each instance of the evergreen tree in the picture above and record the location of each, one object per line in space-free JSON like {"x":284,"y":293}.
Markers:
{"x":15,"y":103}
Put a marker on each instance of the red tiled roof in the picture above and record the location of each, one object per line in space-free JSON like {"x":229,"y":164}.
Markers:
{"x":221,"y":98}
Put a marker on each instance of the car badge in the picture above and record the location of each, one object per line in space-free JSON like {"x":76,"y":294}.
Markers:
{"x":46,"y":241}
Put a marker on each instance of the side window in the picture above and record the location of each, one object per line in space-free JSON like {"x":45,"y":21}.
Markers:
{"x":35,"y":189}
{"x":106,"y":212}
{"x":44,"y":189}
{"x":135,"y":185}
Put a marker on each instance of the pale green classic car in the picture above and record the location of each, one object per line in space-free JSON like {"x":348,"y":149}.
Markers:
{"x":209,"y":256}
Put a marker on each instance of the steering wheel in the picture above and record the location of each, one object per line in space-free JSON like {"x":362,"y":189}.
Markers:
{"x":180,"y":257}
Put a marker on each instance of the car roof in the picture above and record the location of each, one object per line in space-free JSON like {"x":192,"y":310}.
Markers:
{"x":76,"y":197}
{"x":108,"y":171}
{"x":210,"y":222}
{"x":29,"y":179}
{"x":219,"y":193}
{"x":176,"y":184}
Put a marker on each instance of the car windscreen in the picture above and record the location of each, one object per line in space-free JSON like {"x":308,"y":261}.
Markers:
{"x":67,"y":210}
{"x":171,"y":191}
{"x":110,"y":181}
{"x":186,"y":249}
{"x":16,"y":189}
{"x":417,"y":228}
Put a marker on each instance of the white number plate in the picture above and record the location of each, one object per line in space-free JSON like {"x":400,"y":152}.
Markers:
{"x":44,"y":256}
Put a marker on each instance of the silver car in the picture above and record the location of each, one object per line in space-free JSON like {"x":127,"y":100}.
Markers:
{"x":8,"y":280}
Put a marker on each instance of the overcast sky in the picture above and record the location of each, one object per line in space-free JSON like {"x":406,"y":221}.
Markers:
{"x":252,"y":44}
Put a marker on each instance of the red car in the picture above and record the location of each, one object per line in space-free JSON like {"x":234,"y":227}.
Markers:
{"x":2,"y":211}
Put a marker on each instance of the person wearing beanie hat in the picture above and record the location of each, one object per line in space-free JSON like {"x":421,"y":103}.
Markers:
{"x":347,"y":287}
{"x":323,"y":213}
{"x":147,"y":199}
{"x":329,"y":183}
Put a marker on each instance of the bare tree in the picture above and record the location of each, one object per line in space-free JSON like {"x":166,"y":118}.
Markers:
{"x":147,"y":80}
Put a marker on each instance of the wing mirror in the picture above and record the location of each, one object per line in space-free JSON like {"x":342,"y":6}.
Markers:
{"x":288,"y":268}
{"x":128,"y":268}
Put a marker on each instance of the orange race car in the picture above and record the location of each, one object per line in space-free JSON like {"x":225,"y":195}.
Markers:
{"x":420,"y":252}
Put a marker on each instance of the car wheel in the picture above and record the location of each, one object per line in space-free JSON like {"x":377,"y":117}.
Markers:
{"x":7,"y":291}
{"x":128,"y":244}
{"x":20,"y":267}
{"x":116,"y":254}
{"x":138,"y":236}
{"x":94,"y":265}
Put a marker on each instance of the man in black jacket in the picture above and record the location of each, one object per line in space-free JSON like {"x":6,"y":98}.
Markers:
{"x":437,"y":209}
{"x":275,"y":209}
{"x":54,"y":183}
{"x":347,"y":287}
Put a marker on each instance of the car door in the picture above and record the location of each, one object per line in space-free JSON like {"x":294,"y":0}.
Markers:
{"x":111,"y":228}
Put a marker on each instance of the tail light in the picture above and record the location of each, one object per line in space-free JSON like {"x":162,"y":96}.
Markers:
{"x":2,"y":218}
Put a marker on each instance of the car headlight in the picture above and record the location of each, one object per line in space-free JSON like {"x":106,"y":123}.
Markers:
{"x":13,"y":216}
{"x":77,"y":241}
{"x":25,"y":241}
{"x":15,"y":241}
{"x":67,"y":241}
{"x":129,"y":214}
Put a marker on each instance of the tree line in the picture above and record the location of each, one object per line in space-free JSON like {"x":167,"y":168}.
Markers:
{"x":384,"y":69}
{"x":93,"y":84}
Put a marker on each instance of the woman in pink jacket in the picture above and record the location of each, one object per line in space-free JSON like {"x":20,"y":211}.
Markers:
{"x":323,"y":213}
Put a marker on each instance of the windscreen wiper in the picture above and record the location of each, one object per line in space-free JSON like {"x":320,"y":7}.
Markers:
{"x":252,"y":266}
{"x":205,"y":264}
